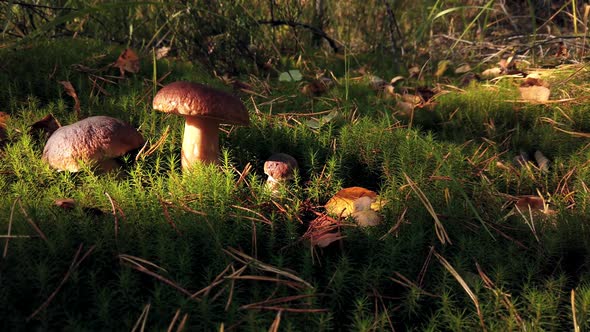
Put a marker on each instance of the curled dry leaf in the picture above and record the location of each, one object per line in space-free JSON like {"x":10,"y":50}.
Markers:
{"x":127,"y":61}
{"x":534,"y":89}
{"x":323,"y":231}
{"x":44,"y":127}
{"x":72,"y":93}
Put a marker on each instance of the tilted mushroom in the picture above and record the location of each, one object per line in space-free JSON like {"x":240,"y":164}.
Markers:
{"x":358,"y":202}
{"x":280,"y":167}
{"x":96,"y":140}
{"x":204,"y":109}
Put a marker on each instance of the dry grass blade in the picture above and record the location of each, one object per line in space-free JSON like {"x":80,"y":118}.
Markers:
{"x":5,"y":252}
{"x":505,"y":298}
{"x":114,"y":209}
{"x":397,"y":225}
{"x":572,"y":133}
{"x":75,"y":263}
{"x":260,"y":218}
{"x":274,"y":304}
{"x":167,"y":216}
{"x":441,"y":233}
{"x":176,"y":314}
{"x":463,"y":284}
{"x":154,"y":147}
{"x":274,"y":327}
{"x":10,"y":222}
{"x":218,"y":279}
{"x":142,"y":319}
{"x":294,"y":285}
{"x":134,"y":263}
{"x":72,"y":93}
{"x":248,"y":260}
{"x":135,"y":260}
{"x":574,"y":318}
{"x":182,"y":323}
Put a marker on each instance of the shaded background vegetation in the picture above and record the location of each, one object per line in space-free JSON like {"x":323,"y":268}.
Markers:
{"x":533,"y":272}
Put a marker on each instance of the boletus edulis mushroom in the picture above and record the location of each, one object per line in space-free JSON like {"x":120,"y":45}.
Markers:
{"x":204,"y":109}
{"x":96,"y":140}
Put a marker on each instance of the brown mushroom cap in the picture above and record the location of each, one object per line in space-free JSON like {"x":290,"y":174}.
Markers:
{"x":342,"y":204}
{"x":280,"y":166}
{"x":194,"y":99}
{"x":94,"y":139}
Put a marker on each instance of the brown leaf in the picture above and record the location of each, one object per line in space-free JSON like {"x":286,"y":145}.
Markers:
{"x":72,"y":93}
{"x":492,"y":72}
{"x":162,"y":52}
{"x":462,"y":69}
{"x":562,"y":52}
{"x":44,"y":127}
{"x":325,"y":239}
{"x":534,"y":89}
{"x":317,"y":87}
{"x":127,"y":61}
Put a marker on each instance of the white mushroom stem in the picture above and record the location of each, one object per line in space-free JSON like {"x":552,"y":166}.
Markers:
{"x":200,"y":142}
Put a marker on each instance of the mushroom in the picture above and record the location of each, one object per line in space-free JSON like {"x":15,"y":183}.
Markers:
{"x":204,"y":109}
{"x":358,"y":202}
{"x":97,"y":139}
{"x":279,"y":167}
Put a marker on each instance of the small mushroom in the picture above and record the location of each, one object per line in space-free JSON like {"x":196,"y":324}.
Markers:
{"x":204,"y":109}
{"x":97,"y":140}
{"x":342,"y":203}
{"x":358,"y":202}
{"x":280,"y":168}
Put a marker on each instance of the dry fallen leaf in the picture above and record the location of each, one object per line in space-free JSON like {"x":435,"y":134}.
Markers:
{"x":442,"y":67}
{"x":44,"y":127}
{"x":127,"y":61}
{"x":72,"y":93}
{"x":534,"y":89}
{"x":324,"y":239}
{"x":492,"y":72}
{"x":162,"y":52}
{"x":462,"y":69}
{"x":317,"y":87}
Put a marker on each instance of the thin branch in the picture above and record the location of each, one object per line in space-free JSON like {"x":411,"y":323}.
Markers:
{"x":333,"y":43}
